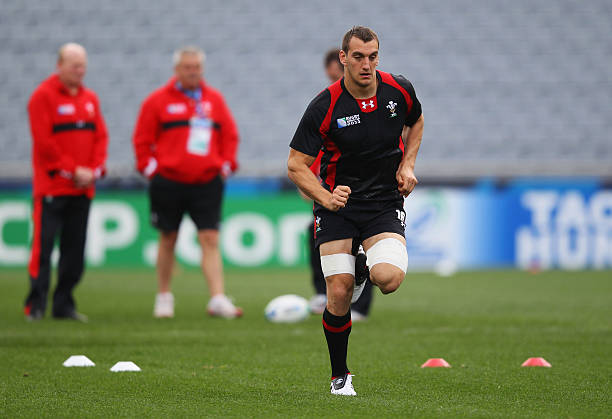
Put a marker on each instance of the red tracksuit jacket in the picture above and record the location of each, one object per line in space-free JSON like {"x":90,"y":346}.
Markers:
{"x":67,"y":131}
{"x":181,"y":142}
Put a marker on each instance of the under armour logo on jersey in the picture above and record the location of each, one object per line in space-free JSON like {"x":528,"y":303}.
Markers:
{"x":365,"y":105}
{"x":368,"y":105}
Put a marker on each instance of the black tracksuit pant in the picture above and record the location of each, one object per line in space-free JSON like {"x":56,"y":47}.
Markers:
{"x":64,"y":217}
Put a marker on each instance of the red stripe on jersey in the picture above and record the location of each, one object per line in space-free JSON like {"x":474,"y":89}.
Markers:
{"x":337,"y":329}
{"x":388,"y":79}
{"x":330,"y":179}
{"x":335,"y":90}
{"x":35,"y":253}
{"x":315,"y":167}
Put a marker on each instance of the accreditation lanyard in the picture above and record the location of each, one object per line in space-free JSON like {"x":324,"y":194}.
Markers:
{"x":196,"y":95}
{"x":200,"y":132}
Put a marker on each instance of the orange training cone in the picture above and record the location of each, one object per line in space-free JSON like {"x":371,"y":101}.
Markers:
{"x":536,"y":362}
{"x":436,"y":363}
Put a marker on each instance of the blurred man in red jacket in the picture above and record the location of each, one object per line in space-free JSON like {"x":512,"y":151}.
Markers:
{"x":185,"y":142}
{"x":69,"y":141}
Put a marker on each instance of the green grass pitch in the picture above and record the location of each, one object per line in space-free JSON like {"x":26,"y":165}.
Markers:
{"x":485,"y":324}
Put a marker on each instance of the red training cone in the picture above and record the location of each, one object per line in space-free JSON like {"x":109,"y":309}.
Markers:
{"x":536,"y":362}
{"x":436,"y":363}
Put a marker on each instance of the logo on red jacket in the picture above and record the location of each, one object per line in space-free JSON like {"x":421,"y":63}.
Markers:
{"x":66,"y":109}
{"x":176,"y":108}
{"x":207,"y":107}
{"x":89,"y":107}
{"x":203,"y":109}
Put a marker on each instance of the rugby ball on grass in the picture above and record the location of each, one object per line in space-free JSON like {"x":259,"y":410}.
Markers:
{"x":288,"y":308}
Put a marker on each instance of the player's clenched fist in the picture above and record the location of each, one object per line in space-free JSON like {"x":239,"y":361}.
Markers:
{"x":406,"y":180}
{"x":339,"y":197}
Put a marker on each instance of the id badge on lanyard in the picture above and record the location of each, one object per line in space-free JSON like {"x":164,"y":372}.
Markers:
{"x":200,"y":131}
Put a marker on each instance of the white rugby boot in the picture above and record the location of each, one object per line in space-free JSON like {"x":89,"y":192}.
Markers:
{"x":164,"y":306}
{"x":221,"y":306}
{"x":343,"y":385}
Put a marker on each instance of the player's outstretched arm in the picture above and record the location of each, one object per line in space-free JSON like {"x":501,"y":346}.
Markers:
{"x":406,"y":180}
{"x":299,"y":172}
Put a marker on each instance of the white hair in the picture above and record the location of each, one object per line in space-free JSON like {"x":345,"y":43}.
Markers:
{"x":188,"y":50}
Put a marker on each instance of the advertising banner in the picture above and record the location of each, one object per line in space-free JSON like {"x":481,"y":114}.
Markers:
{"x":530,"y":224}
{"x":260,"y":231}
{"x":526,"y":224}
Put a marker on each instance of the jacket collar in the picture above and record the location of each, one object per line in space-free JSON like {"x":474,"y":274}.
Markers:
{"x":56,"y":83}
{"x":171,"y":85}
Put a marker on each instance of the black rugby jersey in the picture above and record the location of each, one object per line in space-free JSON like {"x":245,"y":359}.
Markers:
{"x":360,"y":138}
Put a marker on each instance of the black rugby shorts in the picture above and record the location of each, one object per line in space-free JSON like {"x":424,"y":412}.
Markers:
{"x":170,"y":200}
{"x":359,"y":220}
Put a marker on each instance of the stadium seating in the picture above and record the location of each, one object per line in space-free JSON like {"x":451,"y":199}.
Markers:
{"x":517,"y":87}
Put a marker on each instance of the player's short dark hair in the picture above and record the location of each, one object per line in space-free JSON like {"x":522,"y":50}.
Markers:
{"x":331,"y":56}
{"x":359,"y":32}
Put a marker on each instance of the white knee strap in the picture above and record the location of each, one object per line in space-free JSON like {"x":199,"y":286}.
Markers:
{"x":339,"y":263}
{"x":390,"y":251}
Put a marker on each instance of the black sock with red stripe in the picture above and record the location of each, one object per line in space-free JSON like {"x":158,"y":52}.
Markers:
{"x":337,"y":330}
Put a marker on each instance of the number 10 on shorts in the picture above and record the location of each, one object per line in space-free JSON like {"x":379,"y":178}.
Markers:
{"x":401,"y":216}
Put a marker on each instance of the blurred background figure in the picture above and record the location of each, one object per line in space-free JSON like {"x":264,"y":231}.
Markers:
{"x":69,"y":142}
{"x":334,"y":70}
{"x":186,"y":142}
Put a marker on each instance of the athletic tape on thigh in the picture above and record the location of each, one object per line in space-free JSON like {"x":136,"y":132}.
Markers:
{"x":339,"y":263}
{"x":390,"y":251}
